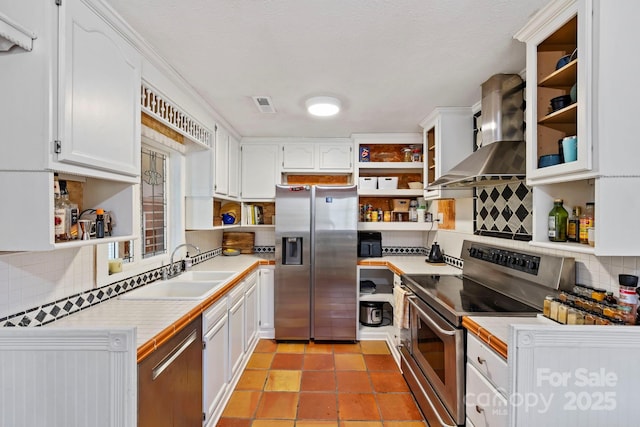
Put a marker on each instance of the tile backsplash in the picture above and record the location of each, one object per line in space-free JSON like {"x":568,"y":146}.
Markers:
{"x":30,"y":279}
{"x":505,"y":211}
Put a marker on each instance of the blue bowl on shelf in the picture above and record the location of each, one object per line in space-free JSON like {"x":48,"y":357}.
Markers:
{"x":549,"y":160}
{"x":563,"y":61}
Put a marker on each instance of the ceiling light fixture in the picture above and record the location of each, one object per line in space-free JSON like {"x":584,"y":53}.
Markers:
{"x":323,"y":106}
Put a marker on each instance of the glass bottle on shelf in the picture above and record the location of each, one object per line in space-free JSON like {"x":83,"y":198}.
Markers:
{"x":573,"y":226}
{"x":557,"y":224}
{"x":71,"y":213}
{"x":587,"y":221}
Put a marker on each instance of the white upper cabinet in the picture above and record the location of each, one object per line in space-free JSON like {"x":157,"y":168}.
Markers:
{"x":234,"y":168}
{"x":601,"y":115}
{"x":260,"y":171}
{"x":298,"y":156}
{"x":70,"y":105}
{"x":448,"y":139}
{"x":78,"y":93}
{"x":335,"y":156}
{"x":99,"y":94}
{"x":310,"y":155}
{"x":221,"y":156}
{"x":601,"y":111}
{"x":215,"y":172}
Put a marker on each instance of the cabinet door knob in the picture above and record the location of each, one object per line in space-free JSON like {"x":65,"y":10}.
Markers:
{"x":479,"y":409}
{"x":481,"y":360}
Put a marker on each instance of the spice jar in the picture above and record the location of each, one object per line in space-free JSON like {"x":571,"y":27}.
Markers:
{"x":627,"y":290}
{"x":553,"y":309}
{"x":627,"y":314}
{"x":407,"y":154}
{"x":575,"y":317}
{"x":546,"y":307}
{"x":598,"y":294}
{"x":589,"y":319}
{"x":563,"y":311}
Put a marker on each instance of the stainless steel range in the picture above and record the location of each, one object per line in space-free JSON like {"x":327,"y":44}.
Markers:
{"x":495,"y":281}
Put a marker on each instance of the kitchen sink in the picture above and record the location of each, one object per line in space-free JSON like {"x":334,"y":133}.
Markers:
{"x":192,"y":285}
{"x":206,"y":275}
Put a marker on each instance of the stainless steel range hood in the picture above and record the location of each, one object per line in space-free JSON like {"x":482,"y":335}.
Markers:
{"x":501,"y":159}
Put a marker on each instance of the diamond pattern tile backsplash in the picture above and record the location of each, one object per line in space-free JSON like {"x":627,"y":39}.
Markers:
{"x":505,"y":211}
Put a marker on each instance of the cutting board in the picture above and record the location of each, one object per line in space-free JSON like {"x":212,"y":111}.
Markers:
{"x":243,"y":241}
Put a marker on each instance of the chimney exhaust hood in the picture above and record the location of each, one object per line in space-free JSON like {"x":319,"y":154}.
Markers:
{"x":501,"y":159}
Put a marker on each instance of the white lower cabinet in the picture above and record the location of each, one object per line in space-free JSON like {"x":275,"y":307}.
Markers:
{"x":251,"y":310}
{"x":486,"y":385}
{"x":230,"y":329}
{"x":236,"y":328}
{"x":486,"y":406}
{"x":214,"y":362}
{"x":266,"y":316}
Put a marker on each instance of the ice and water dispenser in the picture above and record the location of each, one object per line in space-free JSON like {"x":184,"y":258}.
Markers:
{"x":292,"y":250}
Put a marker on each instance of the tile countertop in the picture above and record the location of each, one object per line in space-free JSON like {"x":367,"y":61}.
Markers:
{"x":158,"y":320}
{"x":494,"y":330}
{"x":409,"y":265}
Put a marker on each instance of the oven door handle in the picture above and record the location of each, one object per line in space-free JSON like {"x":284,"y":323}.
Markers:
{"x":429,"y":320}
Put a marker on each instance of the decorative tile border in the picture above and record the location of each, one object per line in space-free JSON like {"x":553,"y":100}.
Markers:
{"x":264,"y":249}
{"x":63,"y":307}
{"x":456,"y":262}
{"x":403,"y":250}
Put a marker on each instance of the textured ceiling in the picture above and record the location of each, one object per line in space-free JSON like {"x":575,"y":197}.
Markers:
{"x":390,"y":62}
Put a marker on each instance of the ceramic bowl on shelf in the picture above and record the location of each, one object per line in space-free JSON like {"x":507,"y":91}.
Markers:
{"x":573,"y":93}
{"x":549,"y":160}
{"x":563,"y":61}
{"x":559,"y":102}
{"x":415,"y":185}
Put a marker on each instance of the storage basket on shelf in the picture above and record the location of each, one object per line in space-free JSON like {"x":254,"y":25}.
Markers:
{"x":388,"y":182}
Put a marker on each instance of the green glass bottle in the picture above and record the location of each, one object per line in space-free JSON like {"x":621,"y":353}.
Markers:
{"x":558,"y":222}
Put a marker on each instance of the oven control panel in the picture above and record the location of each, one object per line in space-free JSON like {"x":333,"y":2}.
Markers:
{"x":515,"y":260}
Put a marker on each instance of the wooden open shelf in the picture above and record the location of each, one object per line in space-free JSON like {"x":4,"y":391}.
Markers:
{"x":554,"y":126}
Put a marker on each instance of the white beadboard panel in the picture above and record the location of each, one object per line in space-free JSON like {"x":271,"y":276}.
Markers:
{"x":585,"y":373}
{"x":601,"y":272}
{"x":68,"y":377}
{"x":30,"y":279}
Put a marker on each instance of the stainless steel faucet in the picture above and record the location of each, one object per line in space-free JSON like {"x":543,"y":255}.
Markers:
{"x":171,"y":270}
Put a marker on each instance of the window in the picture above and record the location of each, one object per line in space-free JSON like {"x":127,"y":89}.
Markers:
{"x":153,"y":203}
{"x":160,"y":213}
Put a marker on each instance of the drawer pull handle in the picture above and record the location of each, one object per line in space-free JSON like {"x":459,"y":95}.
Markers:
{"x":479,"y":409}
{"x":481,"y":360}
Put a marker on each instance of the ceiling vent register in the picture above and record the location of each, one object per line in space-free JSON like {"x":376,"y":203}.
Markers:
{"x":164,"y":111}
{"x":264,"y":104}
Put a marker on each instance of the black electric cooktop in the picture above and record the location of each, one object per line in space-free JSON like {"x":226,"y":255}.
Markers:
{"x":457,"y":296}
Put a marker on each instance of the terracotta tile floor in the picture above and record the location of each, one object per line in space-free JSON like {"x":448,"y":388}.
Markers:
{"x":321,"y":385}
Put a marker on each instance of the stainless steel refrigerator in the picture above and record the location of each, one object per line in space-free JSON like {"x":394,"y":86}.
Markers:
{"x":316,"y":262}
